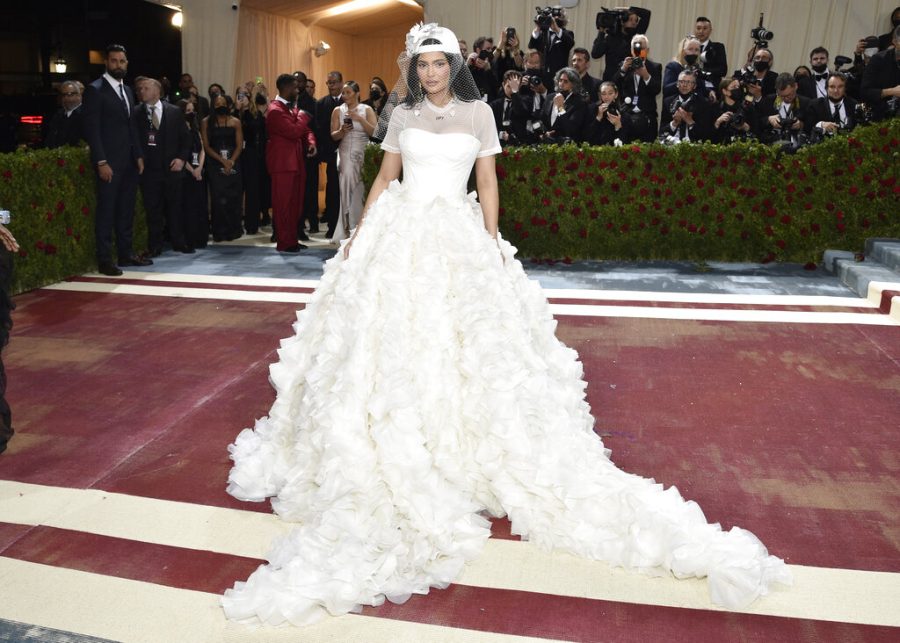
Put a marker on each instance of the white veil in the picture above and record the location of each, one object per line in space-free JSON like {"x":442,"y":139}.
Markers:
{"x":408,"y":92}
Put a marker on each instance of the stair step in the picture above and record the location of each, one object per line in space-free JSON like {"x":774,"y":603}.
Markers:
{"x":885,"y":252}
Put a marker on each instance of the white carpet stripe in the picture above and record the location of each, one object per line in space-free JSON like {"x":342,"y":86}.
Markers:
{"x":577,"y":310}
{"x":551,"y":293}
{"x":138,"y":612}
{"x":851,"y":596}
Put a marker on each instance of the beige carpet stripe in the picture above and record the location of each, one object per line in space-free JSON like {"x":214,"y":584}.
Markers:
{"x":138,"y":612}
{"x":640,"y":312}
{"x":851,"y":596}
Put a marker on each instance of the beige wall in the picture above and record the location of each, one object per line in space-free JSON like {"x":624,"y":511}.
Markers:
{"x":799,"y":25}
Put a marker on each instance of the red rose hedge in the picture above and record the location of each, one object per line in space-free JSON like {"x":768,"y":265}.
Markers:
{"x":51,"y":196}
{"x":741,"y":202}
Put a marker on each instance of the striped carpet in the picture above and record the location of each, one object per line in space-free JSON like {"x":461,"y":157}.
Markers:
{"x":776,"y":413}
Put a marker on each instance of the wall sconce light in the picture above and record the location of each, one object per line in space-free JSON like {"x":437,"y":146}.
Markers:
{"x":321,"y":49}
{"x":60,"y":65}
{"x":177,"y":19}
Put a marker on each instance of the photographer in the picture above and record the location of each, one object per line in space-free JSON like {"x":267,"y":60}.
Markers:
{"x":688,"y":57}
{"x":732,"y":115}
{"x":639,"y":80}
{"x":835,"y":112}
{"x":758,"y":79}
{"x":615,"y":29}
{"x":782,"y":116}
{"x":610,"y":120}
{"x":564,"y":112}
{"x":510,"y":115}
{"x":690,"y":116}
{"x":713,"y":59}
{"x":533,"y":94}
{"x":508,"y":56}
{"x":816,"y":86}
{"x":551,"y":38}
{"x":479,"y":63}
{"x":881,"y":81}
{"x":581,"y":61}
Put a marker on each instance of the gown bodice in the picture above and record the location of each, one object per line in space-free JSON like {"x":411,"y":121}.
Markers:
{"x":437,"y":164}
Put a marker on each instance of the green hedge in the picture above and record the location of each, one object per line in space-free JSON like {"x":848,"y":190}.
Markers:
{"x":741,"y":202}
{"x":51,"y":196}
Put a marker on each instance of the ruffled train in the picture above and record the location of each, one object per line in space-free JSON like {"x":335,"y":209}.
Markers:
{"x":424,"y":387}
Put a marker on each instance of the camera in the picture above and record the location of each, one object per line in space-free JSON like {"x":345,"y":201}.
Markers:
{"x":787,"y":123}
{"x":871,"y":42}
{"x":613,"y":109}
{"x":761,"y":35}
{"x":746,"y":77}
{"x":840,"y":61}
{"x":533,"y":81}
{"x":611,"y":19}
{"x":543,"y":17}
{"x":637,"y":61}
{"x":684,"y":102}
{"x":485,"y":54}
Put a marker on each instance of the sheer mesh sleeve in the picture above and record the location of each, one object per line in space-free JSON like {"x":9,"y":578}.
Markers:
{"x":485,"y":129}
{"x":391,"y":142}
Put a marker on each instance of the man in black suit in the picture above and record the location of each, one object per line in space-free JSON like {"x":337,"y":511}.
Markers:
{"x":615,"y":43}
{"x":327,"y":148}
{"x":67,"y":125}
{"x":713,"y":59}
{"x":533,"y":94}
{"x":581,"y":61}
{"x":166,"y":146}
{"x":479,"y":64}
{"x":815,"y":86}
{"x":761,"y":64}
{"x":639,"y":80}
{"x":554,"y":42}
{"x":184,"y":90}
{"x":510,"y":115}
{"x":885,"y":39}
{"x":686,"y":116}
{"x":310,"y":212}
{"x":881,"y":81}
{"x":836,"y":111}
{"x":117,"y":158}
{"x":783,"y":115}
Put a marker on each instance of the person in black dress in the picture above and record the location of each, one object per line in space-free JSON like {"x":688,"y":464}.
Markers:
{"x":223,"y":141}
{"x":246,"y":112}
{"x":195,"y":204}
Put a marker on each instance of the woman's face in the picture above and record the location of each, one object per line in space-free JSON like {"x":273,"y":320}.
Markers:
{"x":433,"y":70}
{"x":189,"y":108}
{"x":219,"y":101}
{"x":349,"y":95}
{"x":608,"y":94}
{"x":692,"y":47}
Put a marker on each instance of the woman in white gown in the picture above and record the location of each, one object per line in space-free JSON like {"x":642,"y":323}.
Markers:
{"x":352,"y":123}
{"x":424,"y":388}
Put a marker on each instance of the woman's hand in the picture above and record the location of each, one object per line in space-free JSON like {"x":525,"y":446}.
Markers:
{"x":601,"y":111}
{"x":347,"y":247}
{"x":8,"y":240}
{"x":228,"y":164}
{"x":615,"y":119}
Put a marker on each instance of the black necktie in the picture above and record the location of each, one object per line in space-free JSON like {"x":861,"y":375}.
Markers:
{"x":122,"y":96}
{"x":506,"y":105}
{"x":837,"y":113}
{"x":819,"y":77}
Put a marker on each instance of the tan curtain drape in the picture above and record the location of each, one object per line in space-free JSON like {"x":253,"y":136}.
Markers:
{"x":207,"y":41}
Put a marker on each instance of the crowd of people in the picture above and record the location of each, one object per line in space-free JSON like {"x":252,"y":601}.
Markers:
{"x":223,"y":165}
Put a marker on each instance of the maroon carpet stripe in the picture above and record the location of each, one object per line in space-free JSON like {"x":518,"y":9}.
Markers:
{"x":782,"y":429}
{"x":887,"y":296}
{"x":465,"y":607}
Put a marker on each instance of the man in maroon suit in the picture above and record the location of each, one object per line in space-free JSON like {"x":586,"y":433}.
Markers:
{"x":289,"y":139}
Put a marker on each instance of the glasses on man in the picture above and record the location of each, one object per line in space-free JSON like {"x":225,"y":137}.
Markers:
{"x":685,"y":82}
{"x":69,"y":93}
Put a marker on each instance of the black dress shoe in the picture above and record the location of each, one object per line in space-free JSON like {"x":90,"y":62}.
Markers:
{"x":135,"y":260}
{"x":302,"y":236}
{"x":272,"y":239}
{"x":155,"y":252}
{"x":183,"y":249}
{"x":108,"y":269}
{"x":294,"y":249}
{"x":314,"y":230}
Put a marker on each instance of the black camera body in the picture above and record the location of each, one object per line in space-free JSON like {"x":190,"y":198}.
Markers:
{"x":637,"y":62}
{"x":532,"y":79}
{"x":684,"y":102}
{"x":787,"y":123}
{"x":485,"y":54}
{"x":611,"y":19}
{"x":761,"y":35}
{"x":613,"y":109}
{"x":746,"y":77}
{"x":543,"y":17}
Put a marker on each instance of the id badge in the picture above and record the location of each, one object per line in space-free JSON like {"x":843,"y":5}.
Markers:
{"x":151,"y":138}
{"x":195,"y":159}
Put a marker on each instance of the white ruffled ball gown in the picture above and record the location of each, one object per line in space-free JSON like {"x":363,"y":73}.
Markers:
{"x":424,"y":388}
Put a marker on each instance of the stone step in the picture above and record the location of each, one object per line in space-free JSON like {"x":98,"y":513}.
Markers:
{"x":885,"y":251}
